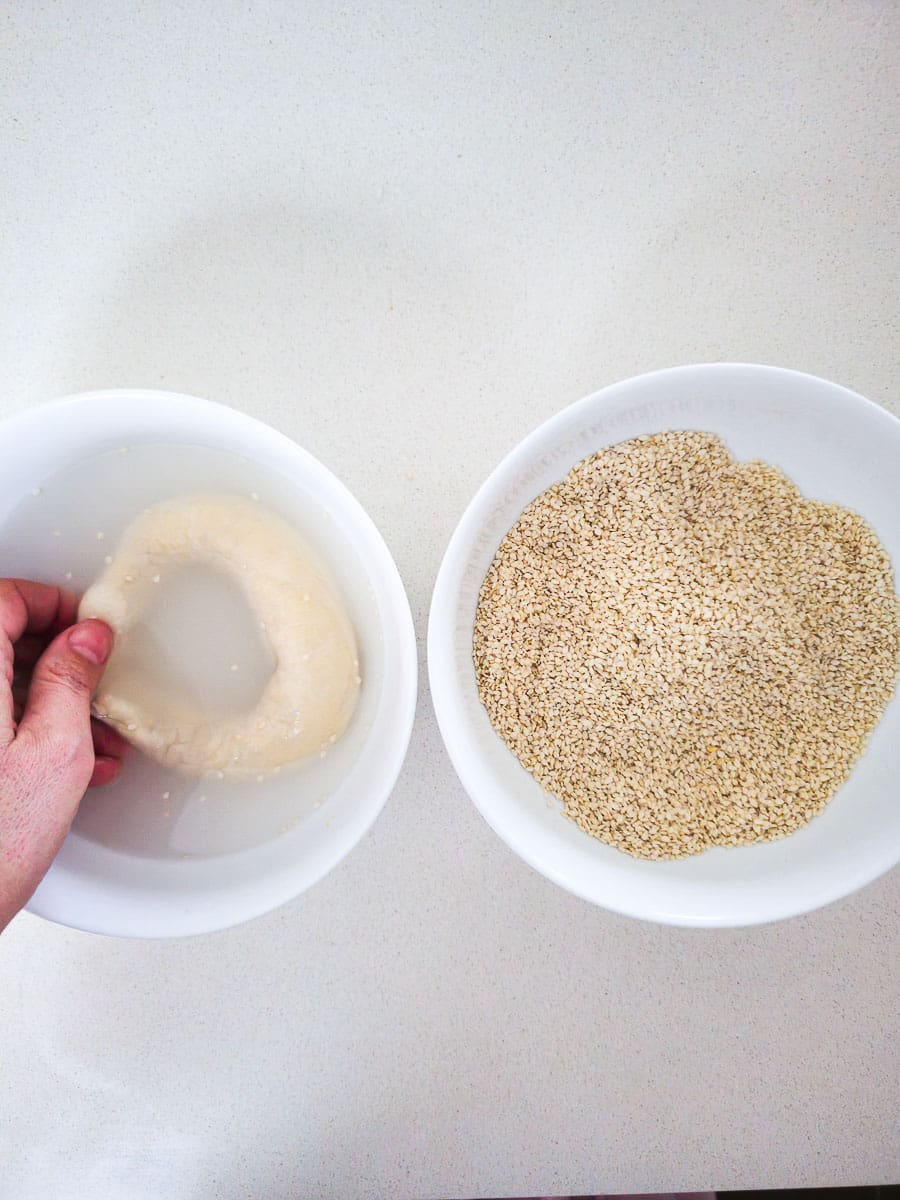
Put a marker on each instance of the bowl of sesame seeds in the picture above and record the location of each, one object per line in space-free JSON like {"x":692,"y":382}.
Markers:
{"x":664,"y":643}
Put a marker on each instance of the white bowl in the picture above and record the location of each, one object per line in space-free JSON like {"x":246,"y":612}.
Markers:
{"x":158,"y":855}
{"x":835,"y":446}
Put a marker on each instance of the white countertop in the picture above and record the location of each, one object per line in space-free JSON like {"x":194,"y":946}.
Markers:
{"x":405,"y":235}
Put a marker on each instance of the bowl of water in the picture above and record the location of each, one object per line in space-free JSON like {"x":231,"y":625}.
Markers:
{"x":159,"y":853}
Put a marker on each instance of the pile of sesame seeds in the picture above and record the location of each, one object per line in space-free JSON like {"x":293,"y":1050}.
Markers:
{"x":684,"y":650}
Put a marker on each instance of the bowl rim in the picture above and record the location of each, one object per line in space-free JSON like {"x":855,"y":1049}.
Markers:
{"x":446,"y":700}
{"x":269,"y":892}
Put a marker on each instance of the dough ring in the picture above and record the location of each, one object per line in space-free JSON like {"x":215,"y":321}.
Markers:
{"x":313,"y":690}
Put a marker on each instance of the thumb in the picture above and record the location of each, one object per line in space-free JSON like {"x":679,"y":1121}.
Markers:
{"x":59,"y":698}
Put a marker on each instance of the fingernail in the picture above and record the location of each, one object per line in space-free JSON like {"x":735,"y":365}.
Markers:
{"x":91,"y":641}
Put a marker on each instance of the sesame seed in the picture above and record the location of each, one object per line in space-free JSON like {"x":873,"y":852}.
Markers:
{"x":107,"y":559}
{"x":682,"y":649}
{"x":100,"y":535}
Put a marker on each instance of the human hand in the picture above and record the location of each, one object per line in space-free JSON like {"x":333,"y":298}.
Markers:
{"x":50,"y":748}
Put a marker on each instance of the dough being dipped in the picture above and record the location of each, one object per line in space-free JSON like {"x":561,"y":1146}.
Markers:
{"x":313,"y":690}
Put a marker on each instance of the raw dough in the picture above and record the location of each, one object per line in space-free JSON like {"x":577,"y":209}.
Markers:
{"x":311,"y":695}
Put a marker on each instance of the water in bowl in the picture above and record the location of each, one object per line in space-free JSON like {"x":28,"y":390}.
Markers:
{"x":64,"y":531}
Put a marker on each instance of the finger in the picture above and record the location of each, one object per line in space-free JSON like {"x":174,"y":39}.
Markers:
{"x":107,"y":741}
{"x":33,"y":608}
{"x":58,"y":708}
{"x":106,"y":770}
{"x":41,"y":608}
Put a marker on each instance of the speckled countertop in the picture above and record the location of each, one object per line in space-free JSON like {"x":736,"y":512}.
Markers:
{"x":406,"y":235}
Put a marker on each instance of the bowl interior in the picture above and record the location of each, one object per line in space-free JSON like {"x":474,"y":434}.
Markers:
{"x":835,"y":446}
{"x":159,"y":853}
